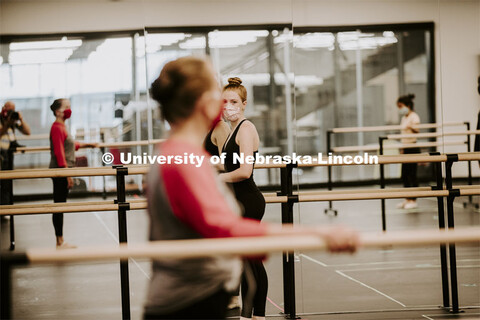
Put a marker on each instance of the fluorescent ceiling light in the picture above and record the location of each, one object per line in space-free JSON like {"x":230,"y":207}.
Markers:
{"x":314,"y":40}
{"x":367,"y":43}
{"x":232,"y":39}
{"x":284,"y":37}
{"x":156,"y":41}
{"x":347,"y":40}
{"x":224,"y":39}
{"x":194,"y":43}
{"x":38,"y":52}
{"x":33,"y":45}
{"x":113,"y":48}
{"x":388,"y":34}
{"x":39,"y":56}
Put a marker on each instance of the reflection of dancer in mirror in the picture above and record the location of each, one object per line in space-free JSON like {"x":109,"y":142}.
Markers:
{"x":62,"y":155}
{"x":409,"y":120}
{"x":244,"y":140}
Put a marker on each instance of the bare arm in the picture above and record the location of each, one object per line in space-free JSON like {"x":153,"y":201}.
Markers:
{"x":87,"y":145}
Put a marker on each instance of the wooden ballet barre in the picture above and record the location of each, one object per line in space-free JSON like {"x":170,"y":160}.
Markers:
{"x":142,"y":169}
{"x":57,"y":173}
{"x":350,"y":191}
{"x":140,"y":204}
{"x":45,"y":136}
{"x":70,"y":172}
{"x":374,"y":195}
{"x":56,"y":204}
{"x":184,"y":249}
{"x":100,"y":145}
{"x":394,"y":127}
{"x":70,"y":207}
{"x":407,"y":158}
{"x":431,"y":134}
{"x":398,"y":146}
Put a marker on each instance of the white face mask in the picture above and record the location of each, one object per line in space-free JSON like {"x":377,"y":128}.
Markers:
{"x":231,"y":113}
{"x":403,"y":111}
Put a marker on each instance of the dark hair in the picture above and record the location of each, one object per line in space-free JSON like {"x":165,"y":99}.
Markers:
{"x":180,"y":84}
{"x":235,"y":84}
{"x":407,"y":100}
{"x":56,"y":105}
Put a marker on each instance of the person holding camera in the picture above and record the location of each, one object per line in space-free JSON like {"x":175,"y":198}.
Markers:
{"x":9,"y":121}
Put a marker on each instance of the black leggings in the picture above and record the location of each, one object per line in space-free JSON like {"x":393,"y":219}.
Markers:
{"x":60,"y":193}
{"x":254,"y":305}
{"x":409,"y":171}
{"x":212,"y":307}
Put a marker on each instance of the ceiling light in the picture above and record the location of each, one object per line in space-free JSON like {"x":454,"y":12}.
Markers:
{"x":39,"y":56}
{"x":314,"y":40}
{"x":33,"y":45}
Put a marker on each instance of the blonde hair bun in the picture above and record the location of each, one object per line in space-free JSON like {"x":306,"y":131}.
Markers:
{"x":234,"y":81}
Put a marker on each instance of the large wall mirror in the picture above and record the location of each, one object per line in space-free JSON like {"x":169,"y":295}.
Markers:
{"x":323,"y":77}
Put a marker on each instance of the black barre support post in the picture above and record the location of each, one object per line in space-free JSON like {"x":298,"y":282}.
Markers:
{"x":329,"y":170}
{"x":122,"y":234}
{"x":12,"y":232}
{"x":451,"y":158}
{"x":441,"y":225}
{"x":102,"y":150}
{"x":470,"y":198}
{"x":382,"y":183}
{"x":8,"y":193}
{"x":286,"y":180}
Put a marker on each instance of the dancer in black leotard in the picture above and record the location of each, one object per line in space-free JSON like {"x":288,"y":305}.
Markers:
{"x":244,"y":140}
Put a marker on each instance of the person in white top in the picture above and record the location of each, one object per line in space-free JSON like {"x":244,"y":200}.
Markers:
{"x":409,"y":123}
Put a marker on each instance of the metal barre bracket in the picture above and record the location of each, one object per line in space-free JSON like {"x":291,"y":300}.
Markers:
{"x":121,"y":169}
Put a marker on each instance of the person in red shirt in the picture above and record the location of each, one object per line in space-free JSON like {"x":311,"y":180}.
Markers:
{"x":62,"y":155}
{"x":189,"y":201}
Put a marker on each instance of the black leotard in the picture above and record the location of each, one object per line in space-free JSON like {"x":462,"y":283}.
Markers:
{"x":208,"y":144}
{"x":246,"y":191}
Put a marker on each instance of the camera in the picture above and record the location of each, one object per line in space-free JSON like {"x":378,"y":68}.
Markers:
{"x":10,"y":115}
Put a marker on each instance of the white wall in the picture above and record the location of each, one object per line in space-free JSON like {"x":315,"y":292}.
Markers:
{"x":47,"y":16}
{"x":457,"y":23}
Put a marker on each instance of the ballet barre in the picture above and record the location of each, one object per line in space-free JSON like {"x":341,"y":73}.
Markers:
{"x":33,"y":137}
{"x":71,"y":207}
{"x":398,"y":146}
{"x":241,"y":246}
{"x":394,"y":127}
{"x":99,"y":145}
{"x":72,"y":172}
{"x":305,"y":196}
{"x":431,"y":135}
{"x":333,"y":131}
{"x":228,"y":247}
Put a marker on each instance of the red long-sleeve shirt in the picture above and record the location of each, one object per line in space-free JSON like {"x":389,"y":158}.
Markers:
{"x":62,"y":147}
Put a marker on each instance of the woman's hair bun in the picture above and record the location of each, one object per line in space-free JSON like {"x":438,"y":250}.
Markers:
{"x":235,"y":81}
{"x":411,"y":96}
